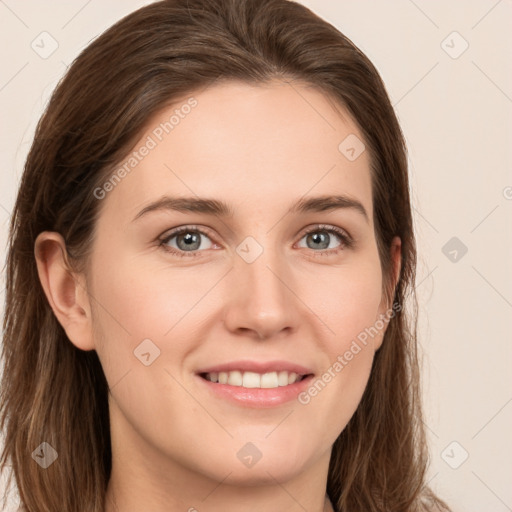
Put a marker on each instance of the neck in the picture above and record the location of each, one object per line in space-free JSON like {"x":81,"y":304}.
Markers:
{"x":144,"y":477}
{"x":132,"y":494}
{"x":143,"y":483}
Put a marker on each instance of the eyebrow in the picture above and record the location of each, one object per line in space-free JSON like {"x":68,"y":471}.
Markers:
{"x":221,"y":209}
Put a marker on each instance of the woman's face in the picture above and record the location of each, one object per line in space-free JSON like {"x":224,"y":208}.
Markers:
{"x":258,"y":178}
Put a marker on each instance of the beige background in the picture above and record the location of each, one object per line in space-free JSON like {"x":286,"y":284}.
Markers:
{"x":455,"y":108}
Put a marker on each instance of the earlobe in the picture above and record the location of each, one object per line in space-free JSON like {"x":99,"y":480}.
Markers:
{"x":396,"y":266}
{"x":65,"y":290}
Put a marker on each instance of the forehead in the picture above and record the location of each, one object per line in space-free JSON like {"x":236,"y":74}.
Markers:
{"x":257,"y":145}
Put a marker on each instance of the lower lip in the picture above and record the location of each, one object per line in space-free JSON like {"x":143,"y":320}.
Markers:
{"x":257,"y":397}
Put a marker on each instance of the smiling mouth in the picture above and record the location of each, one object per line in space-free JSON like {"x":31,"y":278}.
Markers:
{"x":253,"y":380}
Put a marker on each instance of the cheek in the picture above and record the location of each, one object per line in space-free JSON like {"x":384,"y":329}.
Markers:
{"x":349,"y":307}
{"x":147,"y":302}
{"x":137,"y":302}
{"x":129,"y":307}
{"x":348,"y":300}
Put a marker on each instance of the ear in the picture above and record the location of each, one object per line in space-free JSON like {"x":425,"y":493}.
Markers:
{"x":387,"y":296}
{"x":65,"y":290}
{"x":396,"y":266}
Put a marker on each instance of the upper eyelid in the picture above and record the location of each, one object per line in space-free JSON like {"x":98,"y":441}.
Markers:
{"x":325,"y":227}
{"x":183,"y":229}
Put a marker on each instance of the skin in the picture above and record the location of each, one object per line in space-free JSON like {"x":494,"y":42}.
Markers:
{"x":259,"y":149}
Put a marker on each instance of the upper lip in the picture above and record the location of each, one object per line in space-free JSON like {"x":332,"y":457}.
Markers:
{"x":258,"y":367}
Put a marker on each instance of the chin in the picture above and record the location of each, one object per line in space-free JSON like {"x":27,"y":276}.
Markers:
{"x":262,"y":473}
{"x":272,"y":465}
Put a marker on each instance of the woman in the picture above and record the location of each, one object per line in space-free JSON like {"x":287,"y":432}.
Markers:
{"x":209,"y":258}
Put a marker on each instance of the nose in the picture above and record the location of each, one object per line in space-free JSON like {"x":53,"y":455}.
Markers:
{"x":262,"y":302}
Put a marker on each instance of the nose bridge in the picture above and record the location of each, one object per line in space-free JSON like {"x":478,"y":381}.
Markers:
{"x":260,"y":299}
{"x":262,"y":276}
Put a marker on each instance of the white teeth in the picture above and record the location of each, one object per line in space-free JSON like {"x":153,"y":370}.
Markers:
{"x":251,"y":380}
{"x":254,"y":380}
{"x":292,"y":377}
{"x":269,"y":380}
{"x":282,"y":378}
{"x":235,"y":378}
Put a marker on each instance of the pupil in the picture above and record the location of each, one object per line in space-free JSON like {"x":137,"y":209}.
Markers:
{"x":321,"y":238}
{"x":190,"y":240}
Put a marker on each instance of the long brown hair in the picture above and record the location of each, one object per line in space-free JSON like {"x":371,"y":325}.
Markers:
{"x":53,"y":392}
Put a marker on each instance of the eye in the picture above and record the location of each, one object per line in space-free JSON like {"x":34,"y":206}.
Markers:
{"x":323,"y":237}
{"x":187,"y":239}
{"x":191,"y":240}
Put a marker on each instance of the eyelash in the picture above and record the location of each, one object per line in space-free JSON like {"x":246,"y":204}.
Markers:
{"x":346,"y":240}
